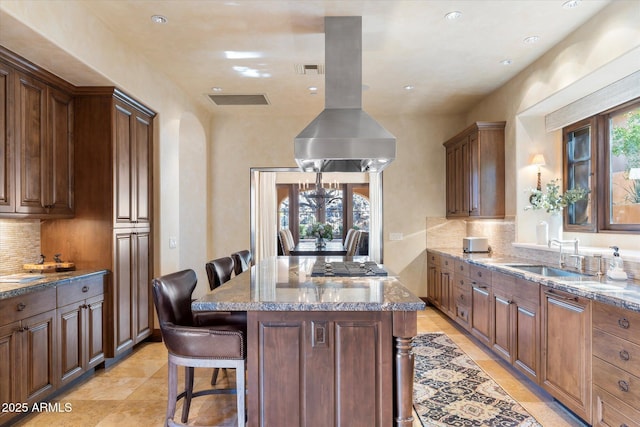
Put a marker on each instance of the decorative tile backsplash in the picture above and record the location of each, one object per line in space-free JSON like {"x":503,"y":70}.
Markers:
{"x":19,"y":244}
{"x":448,"y":233}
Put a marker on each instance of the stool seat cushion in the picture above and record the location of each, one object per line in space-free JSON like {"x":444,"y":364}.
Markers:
{"x":219,"y":342}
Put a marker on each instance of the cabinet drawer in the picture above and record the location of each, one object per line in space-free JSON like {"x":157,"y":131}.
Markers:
{"x":617,"y":321}
{"x":621,"y":353}
{"x":80,"y":290}
{"x":462,"y":267}
{"x":503,"y":282}
{"x":446,"y":263}
{"x":462,"y":313}
{"x":480,"y":274}
{"x":463,"y":295}
{"x":23,"y":306}
{"x":433,"y":259}
{"x":617,"y":382}
{"x":611,"y":412}
{"x":528,"y":291}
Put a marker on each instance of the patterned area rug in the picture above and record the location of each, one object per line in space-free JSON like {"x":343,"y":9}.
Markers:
{"x":449,"y":389}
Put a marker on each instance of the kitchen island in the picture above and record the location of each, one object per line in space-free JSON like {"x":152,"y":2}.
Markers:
{"x":323,"y":350}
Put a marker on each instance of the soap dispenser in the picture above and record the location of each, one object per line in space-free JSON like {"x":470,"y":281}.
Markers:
{"x":616,"y":271}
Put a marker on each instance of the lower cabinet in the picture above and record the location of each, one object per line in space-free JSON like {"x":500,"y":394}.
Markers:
{"x":48,"y":338}
{"x":321,"y":368}
{"x":433,"y":279}
{"x":616,"y":371}
{"x":27,"y":349}
{"x":566,"y":350}
{"x":481,"y":318}
{"x":80,"y":327}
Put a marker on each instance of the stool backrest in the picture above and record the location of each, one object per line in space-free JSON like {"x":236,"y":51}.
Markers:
{"x":172,"y":297}
{"x":219,"y":271}
{"x":241,"y":261}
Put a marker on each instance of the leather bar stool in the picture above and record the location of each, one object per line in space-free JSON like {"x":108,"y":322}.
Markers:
{"x":216,"y":346}
{"x":242,"y":261}
{"x":219,"y":271}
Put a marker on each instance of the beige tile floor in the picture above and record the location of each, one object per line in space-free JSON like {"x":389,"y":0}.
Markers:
{"x":133,"y":392}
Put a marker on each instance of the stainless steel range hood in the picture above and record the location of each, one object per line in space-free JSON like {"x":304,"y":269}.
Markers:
{"x":343,"y":138}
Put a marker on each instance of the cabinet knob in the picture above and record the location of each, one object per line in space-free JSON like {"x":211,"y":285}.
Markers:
{"x":479,"y":273}
{"x":623,"y":385}
{"x":85,"y":289}
{"x":624,"y":355}
{"x":623,"y":323}
{"x":21,"y":306}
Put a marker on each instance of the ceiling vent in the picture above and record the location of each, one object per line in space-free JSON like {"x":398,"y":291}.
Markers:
{"x":313,"y":69}
{"x":257,"y":99}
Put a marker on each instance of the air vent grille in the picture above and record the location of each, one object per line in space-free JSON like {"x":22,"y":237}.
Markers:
{"x":309,"y":68}
{"x":257,"y":99}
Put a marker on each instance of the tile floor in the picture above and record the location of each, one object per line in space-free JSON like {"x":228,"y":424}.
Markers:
{"x":133,"y":392}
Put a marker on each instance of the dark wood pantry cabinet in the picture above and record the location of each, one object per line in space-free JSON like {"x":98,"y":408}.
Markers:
{"x":112,"y":228}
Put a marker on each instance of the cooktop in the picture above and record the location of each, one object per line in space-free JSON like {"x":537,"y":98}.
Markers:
{"x":347,"y":269}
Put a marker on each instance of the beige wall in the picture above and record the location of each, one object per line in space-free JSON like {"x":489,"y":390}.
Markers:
{"x":599,"y":53}
{"x":413,"y":185}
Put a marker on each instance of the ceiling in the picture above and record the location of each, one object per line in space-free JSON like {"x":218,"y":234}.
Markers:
{"x":450,"y":64}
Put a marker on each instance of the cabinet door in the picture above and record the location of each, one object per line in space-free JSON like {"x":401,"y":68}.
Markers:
{"x":10,"y":373}
{"x":526,"y":329}
{"x":502,"y":324}
{"x":123,"y":291}
{"x":7,"y":195}
{"x":94,"y":335}
{"x":58,"y":165}
{"x":474,"y":175}
{"x":142,"y":169}
{"x":31,"y":96}
{"x":481,"y":312}
{"x":566,"y":330}
{"x":447,"y":294}
{"x":433,"y":285}
{"x":451,"y":181}
{"x":38,"y":354}
{"x":70,"y":341}
{"x":143,"y":301}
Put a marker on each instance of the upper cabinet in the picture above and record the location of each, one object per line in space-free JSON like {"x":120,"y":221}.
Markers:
{"x":475,"y":171}
{"x":37,"y":144}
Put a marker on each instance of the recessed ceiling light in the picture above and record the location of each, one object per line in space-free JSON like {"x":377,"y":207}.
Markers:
{"x":159,"y":19}
{"x":216,"y":89}
{"x":506,"y":62}
{"x":531,"y":39}
{"x":452,"y":16}
{"x":571,"y":4}
{"x":408,"y":87}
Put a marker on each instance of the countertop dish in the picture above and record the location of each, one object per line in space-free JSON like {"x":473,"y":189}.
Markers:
{"x":286,"y":284}
{"x":33,"y":282}
{"x":624,"y":294}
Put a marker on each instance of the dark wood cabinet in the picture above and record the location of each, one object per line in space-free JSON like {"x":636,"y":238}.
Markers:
{"x":566,"y":349}
{"x":27,"y":348}
{"x":433,"y":279}
{"x":113,"y":153}
{"x":447,"y":287}
{"x":321,"y":368}
{"x":475,"y":172}
{"x":37,"y":154}
{"x":81,"y":325}
{"x":7,"y":171}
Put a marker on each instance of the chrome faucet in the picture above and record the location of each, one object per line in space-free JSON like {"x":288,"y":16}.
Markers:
{"x":579,"y":259}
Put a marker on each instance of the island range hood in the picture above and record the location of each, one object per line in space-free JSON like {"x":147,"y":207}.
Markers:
{"x":343,"y":138}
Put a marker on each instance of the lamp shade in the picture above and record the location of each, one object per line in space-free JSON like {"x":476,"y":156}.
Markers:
{"x":538,"y":160}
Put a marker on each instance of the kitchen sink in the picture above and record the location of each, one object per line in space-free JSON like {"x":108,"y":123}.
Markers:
{"x":545,"y":270}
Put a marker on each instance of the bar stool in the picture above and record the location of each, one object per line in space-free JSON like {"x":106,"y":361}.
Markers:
{"x":192,"y":346}
{"x":241,"y":261}
{"x":219,"y":271}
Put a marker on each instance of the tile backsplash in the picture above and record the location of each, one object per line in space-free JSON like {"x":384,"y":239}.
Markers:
{"x":19,"y":244}
{"x":448,"y":233}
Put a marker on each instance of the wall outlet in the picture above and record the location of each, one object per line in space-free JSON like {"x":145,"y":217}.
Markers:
{"x":395,"y":236}
{"x":173,"y":243}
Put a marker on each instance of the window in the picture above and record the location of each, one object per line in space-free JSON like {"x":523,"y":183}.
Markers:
{"x":602,"y":154}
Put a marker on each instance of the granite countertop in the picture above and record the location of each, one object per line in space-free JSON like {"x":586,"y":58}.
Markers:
{"x":286,"y":284}
{"x":624,"y":294}
{"x":33,"y":282}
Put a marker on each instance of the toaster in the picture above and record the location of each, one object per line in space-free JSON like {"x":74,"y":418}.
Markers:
{"x":475,"y":244}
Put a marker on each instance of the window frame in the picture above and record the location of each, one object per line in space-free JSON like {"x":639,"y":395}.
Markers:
{"x":600,"y":190}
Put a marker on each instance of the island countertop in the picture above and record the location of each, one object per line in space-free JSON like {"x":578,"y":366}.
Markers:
{"x":286,"y":284}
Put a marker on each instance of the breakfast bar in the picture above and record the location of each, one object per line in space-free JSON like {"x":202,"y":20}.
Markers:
{"x":324,"y":349}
